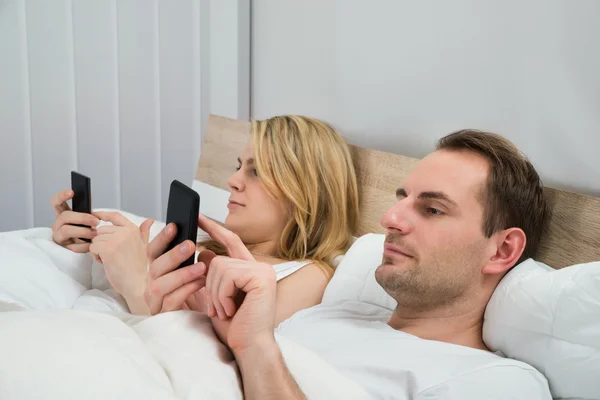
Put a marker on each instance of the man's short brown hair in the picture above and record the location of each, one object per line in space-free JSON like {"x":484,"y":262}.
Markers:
{"x":514,"y":194}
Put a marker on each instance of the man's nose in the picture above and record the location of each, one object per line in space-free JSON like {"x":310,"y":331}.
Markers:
{"x":397,"y":218}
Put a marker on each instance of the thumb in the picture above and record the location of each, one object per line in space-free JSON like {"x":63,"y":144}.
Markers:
{"x":145,"y":230}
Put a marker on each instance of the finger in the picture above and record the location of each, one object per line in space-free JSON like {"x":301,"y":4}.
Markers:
{"x":227,"y":292}
{"x":176,"y":299}
{"x":113,"y":217}
{"x":59,"y":201}
{"x":219,"y":266}
{"x":210,"y":309}
{"x":176,"y":279}
{"x":171,"y":259}
{"x":160,"y":288}
{"x":161,"y":242}
{"x":206,"y":256}
{"x":107,"y":237}
{"x":74,"y":218}
{"x":210,"y":288}
{"x":145,"y":230}
{"x":67,"y":232}
{"x":232,"y":242}
{"x":95,"y":249}
{"x":79,"y":247}
{"x":108,"y":229}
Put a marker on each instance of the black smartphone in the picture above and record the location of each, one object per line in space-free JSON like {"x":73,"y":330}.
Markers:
{"x":182,"y":209}
{"x":82,"y":196}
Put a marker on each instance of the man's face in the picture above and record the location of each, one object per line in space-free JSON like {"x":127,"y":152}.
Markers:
{"x":435,"y":248}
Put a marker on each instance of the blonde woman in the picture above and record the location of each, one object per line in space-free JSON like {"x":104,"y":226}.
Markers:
{"x":293,"y":203}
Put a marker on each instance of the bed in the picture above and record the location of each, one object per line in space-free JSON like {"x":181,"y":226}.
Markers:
{"x":47,"y":294}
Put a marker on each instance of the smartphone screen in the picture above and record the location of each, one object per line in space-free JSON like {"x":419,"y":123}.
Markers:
{"x":82,"y":196}
{"x":182,"y":210}
{"x":82,"y":199}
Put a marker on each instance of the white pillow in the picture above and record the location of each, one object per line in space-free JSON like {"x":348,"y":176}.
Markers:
{"x":354,"y":277}
{"x":550,"y":319}
{"x":546,"y":318}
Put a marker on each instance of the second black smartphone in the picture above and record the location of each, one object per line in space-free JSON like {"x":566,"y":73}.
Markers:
{"x":82,"y":196}
{"x":182,"y":209}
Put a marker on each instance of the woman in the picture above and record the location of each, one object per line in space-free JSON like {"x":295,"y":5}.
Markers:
{"x":293,"y":203}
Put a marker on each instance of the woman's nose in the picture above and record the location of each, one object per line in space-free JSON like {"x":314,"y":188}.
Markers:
{"x":236,"y":181}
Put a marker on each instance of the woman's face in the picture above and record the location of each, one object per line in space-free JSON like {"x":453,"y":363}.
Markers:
{"x":254,"y":215}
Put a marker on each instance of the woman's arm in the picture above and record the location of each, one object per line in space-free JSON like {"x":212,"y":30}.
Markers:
{"x":302,"y":289}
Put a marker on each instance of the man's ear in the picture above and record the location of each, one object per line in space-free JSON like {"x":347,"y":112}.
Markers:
{"x":509,"y":245}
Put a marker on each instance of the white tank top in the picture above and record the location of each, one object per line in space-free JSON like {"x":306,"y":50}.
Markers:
{"x":285,"y":269}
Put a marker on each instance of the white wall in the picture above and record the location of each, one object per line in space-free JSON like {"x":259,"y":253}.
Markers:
{"x":396,"y":74}
{"x":119,"y":90}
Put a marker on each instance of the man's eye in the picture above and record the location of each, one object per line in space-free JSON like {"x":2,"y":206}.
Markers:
{"x":238,"y":167}
{"x":434,"y":211}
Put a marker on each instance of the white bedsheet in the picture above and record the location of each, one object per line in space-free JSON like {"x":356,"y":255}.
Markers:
{"x":64,"y":334}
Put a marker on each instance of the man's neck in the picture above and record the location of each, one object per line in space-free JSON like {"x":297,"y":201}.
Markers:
{"x":457,"y":324}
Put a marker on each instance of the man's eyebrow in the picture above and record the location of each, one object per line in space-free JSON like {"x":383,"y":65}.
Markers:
{"x":437,"y":196}
{"x":401,"y":192}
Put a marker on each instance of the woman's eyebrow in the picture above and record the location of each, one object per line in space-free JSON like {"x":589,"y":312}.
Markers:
{"x":250,"y":161}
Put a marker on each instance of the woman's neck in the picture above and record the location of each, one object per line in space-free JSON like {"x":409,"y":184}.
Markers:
{"x":265,"y":252}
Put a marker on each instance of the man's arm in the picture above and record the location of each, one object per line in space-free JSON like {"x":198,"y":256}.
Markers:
{"x":247,"y":327}
{"x":265,"y":374}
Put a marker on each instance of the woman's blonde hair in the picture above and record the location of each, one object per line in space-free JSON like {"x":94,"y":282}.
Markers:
{"x":307,"y":163}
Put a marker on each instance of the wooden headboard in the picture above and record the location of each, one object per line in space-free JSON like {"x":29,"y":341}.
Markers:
{"x":573,"y":236}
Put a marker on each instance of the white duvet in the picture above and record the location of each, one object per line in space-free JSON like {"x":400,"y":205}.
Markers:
{"x":65,"y":334}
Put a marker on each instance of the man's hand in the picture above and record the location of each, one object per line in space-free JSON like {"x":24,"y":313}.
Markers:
{"x":121,"y":248}
{"x":240,"y":292}
{"x":169,"y":288}
{"x":240,"y":296}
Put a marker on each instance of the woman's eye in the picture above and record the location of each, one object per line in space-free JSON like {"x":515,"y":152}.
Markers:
{"x":254,"y":172}
{"x":238,"y":167}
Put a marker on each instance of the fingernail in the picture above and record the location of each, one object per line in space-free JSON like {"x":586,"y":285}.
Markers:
{"x":208,"y":309}
{"x":169,"y":229}
{"x":219,"y":314}
{"x":94,"y":233}
{"x":183,"y":248}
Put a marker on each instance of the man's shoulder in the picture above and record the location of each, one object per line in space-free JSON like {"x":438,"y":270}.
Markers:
{"x":502,"y":378}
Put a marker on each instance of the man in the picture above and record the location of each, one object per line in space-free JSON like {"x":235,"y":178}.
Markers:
{"x":465,"y":216}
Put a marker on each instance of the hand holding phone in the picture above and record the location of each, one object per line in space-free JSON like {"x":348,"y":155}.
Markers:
{"x":182,"y":210}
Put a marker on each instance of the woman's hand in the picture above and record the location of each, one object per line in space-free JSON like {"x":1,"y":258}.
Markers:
{"x":64,"y":231}
{"x":122,"y":248}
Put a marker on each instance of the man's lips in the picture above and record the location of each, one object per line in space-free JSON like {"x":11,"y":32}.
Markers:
{"x":392,"y":249}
